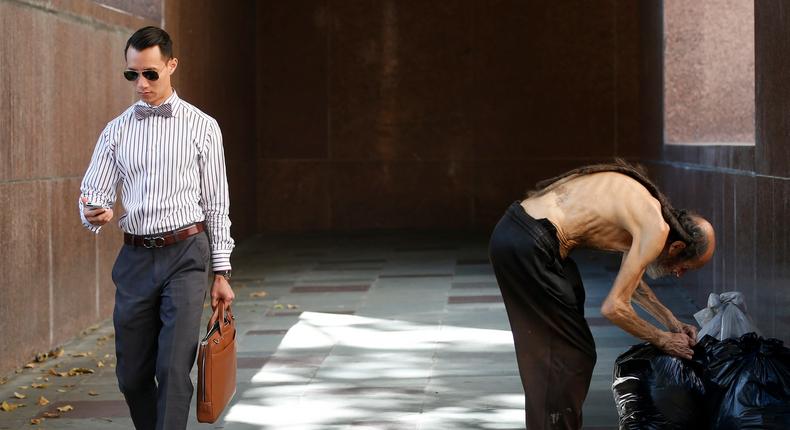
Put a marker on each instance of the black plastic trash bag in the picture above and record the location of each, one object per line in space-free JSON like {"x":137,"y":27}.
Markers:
{"x":748,"y":381}
{"x":653,"y":390}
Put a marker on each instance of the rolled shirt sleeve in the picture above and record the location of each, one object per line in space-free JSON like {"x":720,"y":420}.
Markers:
{"x":215,"y":199}
{"x":101,"y":179}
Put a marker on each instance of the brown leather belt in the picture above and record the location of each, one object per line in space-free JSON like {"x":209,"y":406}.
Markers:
{"x":163,"y":239}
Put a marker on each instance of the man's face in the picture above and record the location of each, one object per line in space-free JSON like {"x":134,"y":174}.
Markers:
{"x":669,"y":264}
{"x":151,"y":91}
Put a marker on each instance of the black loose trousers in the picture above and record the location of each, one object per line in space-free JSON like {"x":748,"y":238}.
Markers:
{"x":544,"y":299}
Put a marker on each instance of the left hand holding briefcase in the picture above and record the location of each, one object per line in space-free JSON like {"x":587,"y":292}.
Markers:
{"x":216,"y":365}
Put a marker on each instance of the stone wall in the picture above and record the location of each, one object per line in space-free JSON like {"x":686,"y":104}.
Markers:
{"x":61,"y":63}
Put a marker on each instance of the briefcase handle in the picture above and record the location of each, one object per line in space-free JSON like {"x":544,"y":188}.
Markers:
{"x":219,"y":315}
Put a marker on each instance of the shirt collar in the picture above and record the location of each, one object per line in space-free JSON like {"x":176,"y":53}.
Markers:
{"x":174,"y":100}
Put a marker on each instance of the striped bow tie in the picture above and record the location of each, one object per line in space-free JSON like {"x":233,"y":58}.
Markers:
{"x":142,"y":112}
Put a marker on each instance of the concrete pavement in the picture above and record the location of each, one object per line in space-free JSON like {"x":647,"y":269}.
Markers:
{"x":358,"y":331}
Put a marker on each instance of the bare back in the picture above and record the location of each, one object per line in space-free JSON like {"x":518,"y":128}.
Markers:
{"x":601,"y":210}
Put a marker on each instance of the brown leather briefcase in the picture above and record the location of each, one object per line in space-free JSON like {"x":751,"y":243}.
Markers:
{"x":216,"y":365}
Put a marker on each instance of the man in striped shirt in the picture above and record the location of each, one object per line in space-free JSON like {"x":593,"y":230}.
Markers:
{"x":168,"y":158}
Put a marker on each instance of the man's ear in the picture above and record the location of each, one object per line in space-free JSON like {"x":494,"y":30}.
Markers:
{"x":172,"y":64}
{"x":675,"y":248}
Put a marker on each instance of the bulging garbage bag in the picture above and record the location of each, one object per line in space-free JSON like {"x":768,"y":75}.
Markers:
{"x":653,"y":390}
{"x":748,"y":382}
{"x":725,"y":317}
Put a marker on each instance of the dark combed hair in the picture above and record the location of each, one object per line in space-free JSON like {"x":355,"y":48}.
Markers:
{"x":681,"y":222}
{"x":147,"y":37}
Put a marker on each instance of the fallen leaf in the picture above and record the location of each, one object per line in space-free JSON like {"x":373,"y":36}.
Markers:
{"x":41,"y":357}
{"x":19,"y":396}
{"x":30,"y":366}
{"x":279,"y":306}
{"x":80,"y":371}
{"x":290,"y":306}
{"x":3,"y":380}
{"x":8,"y":407}
{"x":42,"y":401}
{"x":51,"y":414}
{"x":92,"y":393}
{"x":61,"y":390}
{"x":54,"y":372}
{"x":57,"y":352}
{"x":69,"y":386}
{"x":39,"y":385}
{"x":259,"y":294}
{"x":36,"y":421}
{"x":66,"y":408}
{"x":80,"y":354}
{"x":22,"y":387}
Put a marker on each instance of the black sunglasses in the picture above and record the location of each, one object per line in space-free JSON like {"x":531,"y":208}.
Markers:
{"x":132,"y":75}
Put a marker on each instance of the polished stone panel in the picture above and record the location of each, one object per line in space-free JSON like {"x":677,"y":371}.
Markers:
{"x":74,"y":264}
{"x":456,"y":300}
{"x":292,"y":90}
{"x":709,"y":70}
{"x":25,"y":240}
{"x":149,"y":9}
{"x":308,"y":289}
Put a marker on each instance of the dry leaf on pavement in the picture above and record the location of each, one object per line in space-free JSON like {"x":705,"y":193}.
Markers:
{"x":39,"y":385}
{"x":54,"y":372}
{"x":92,"y":393}
{"x":42,"y":401}
{"x":36,"y":421}
{"x":80,"y":371}
{"x":65,"y":408}
{"x":8,"y":407}
{"x":19,"y":396}
{"x":51,"y":414}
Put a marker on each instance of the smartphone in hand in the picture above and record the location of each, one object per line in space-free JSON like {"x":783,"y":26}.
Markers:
{"x":94,"y":205}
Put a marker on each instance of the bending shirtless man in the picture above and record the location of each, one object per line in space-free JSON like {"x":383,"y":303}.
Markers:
{"x":612,"y":207}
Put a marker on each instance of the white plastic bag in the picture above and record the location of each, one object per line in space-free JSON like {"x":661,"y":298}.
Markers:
{"x":725,"y":317}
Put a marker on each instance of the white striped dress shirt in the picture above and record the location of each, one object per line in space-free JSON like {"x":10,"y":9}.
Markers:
{"x":171,"y":171}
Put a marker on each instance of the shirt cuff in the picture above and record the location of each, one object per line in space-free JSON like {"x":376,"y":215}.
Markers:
{"x":220,"y":259}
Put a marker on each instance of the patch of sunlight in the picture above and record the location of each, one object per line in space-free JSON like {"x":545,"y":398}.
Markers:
{"x":377,"y":371}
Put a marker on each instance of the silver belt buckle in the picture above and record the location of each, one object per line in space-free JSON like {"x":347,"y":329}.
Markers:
{"x":153,"y":242}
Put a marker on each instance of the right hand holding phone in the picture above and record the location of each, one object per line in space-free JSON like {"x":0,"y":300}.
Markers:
{"x":96,"y":215}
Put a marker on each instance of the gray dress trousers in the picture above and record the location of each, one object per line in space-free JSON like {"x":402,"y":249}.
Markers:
{"x":158,"y":304}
